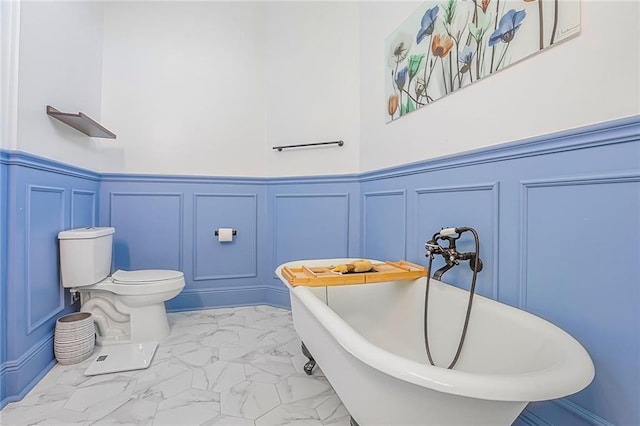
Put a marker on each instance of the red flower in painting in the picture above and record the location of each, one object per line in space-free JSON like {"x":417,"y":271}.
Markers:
{"x":441,"y":45}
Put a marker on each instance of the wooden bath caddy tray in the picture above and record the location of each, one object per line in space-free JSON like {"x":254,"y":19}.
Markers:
{"x":321,"y":276}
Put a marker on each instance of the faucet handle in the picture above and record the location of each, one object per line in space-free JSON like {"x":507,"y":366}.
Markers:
{"x":432,"y":248}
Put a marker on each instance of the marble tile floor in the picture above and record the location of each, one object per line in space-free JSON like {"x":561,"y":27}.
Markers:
{"x":231,"y":366}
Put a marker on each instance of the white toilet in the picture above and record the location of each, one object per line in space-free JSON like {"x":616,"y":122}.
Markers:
{"x":128,"y":306}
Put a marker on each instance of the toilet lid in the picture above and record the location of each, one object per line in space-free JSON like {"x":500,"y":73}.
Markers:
{"x":145,"y":276}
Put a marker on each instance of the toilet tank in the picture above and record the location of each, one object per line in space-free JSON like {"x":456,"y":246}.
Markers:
{"x":85,"y":255}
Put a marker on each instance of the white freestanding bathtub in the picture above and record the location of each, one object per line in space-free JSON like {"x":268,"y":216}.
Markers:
{"x":368,"y":340}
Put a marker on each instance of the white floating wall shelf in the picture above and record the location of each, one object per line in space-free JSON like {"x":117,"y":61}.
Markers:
{"x":82,"y":123}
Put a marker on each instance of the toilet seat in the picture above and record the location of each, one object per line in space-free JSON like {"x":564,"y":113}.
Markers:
{"x":144,"y":276}
{"x":139,"y":283}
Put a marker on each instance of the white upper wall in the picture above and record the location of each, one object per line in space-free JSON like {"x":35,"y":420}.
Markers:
{"x":312,"y":87}
{"x":60,"y":64}
{"x":591,"y":78}
{"x":207,"y":88}
{"x":183,"y":86}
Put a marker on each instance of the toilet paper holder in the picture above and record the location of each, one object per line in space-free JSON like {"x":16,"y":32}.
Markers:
{"x":233,"y":232}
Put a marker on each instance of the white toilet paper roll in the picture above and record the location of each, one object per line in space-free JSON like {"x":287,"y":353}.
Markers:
{"x":225,"y":234}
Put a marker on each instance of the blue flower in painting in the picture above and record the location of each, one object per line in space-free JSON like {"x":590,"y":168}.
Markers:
{"x":427,"y":24}
{"x":465,"y":58}
{"x":466,"y":55}
{"x":509,"y":24}
{"x":401,"y":78}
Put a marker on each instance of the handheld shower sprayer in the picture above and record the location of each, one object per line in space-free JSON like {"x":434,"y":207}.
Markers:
{"x":445,"y":232}
{"x":451,"y":257}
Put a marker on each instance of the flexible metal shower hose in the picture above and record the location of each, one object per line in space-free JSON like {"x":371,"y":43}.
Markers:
{"x":469,"y":305}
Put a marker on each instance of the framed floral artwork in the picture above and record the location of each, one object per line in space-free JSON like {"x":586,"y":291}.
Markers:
{"x":449,"y":44}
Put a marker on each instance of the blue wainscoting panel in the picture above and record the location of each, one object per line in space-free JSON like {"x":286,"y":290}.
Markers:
{"x":45,"y":218}
{"x":83,"y":208}
{"x":309,"y":218}
{"x":580,"y":254}
{"x":214,"y":260}
{"x":39,"y":199}
{"x":472,"y":205}
{"x":169,"y":222}
{"x":384,"y":225}
{"x":557,"y":217}
{"x":310,"y":226}
{"x":149,"y":229}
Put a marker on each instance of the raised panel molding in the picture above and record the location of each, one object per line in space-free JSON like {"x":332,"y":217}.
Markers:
{"x":76,"y":196}
{"x":342,"y":234}
{"x":494,"y":189}
{"x":526,"y":187}
{"x":178,"y":222}
{"x":253,"y":270}
{"x":390,"y":195}
{"x":43,"y":228}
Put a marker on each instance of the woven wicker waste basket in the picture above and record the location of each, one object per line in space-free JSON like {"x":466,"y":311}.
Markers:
{"x":74,"y":338}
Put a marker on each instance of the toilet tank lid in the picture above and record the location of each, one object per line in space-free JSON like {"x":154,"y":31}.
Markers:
{"x":145,"y":275}
{"x":85,"y":233}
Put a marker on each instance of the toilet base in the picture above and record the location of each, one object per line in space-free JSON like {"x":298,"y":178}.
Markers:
{"x":149,"y":323}
{"x":118,"y":324}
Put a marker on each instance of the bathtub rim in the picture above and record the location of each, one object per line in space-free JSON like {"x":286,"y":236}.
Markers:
{"x":568,"y":375}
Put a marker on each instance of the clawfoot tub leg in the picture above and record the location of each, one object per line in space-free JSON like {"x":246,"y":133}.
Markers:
{"x":308,"y":367}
